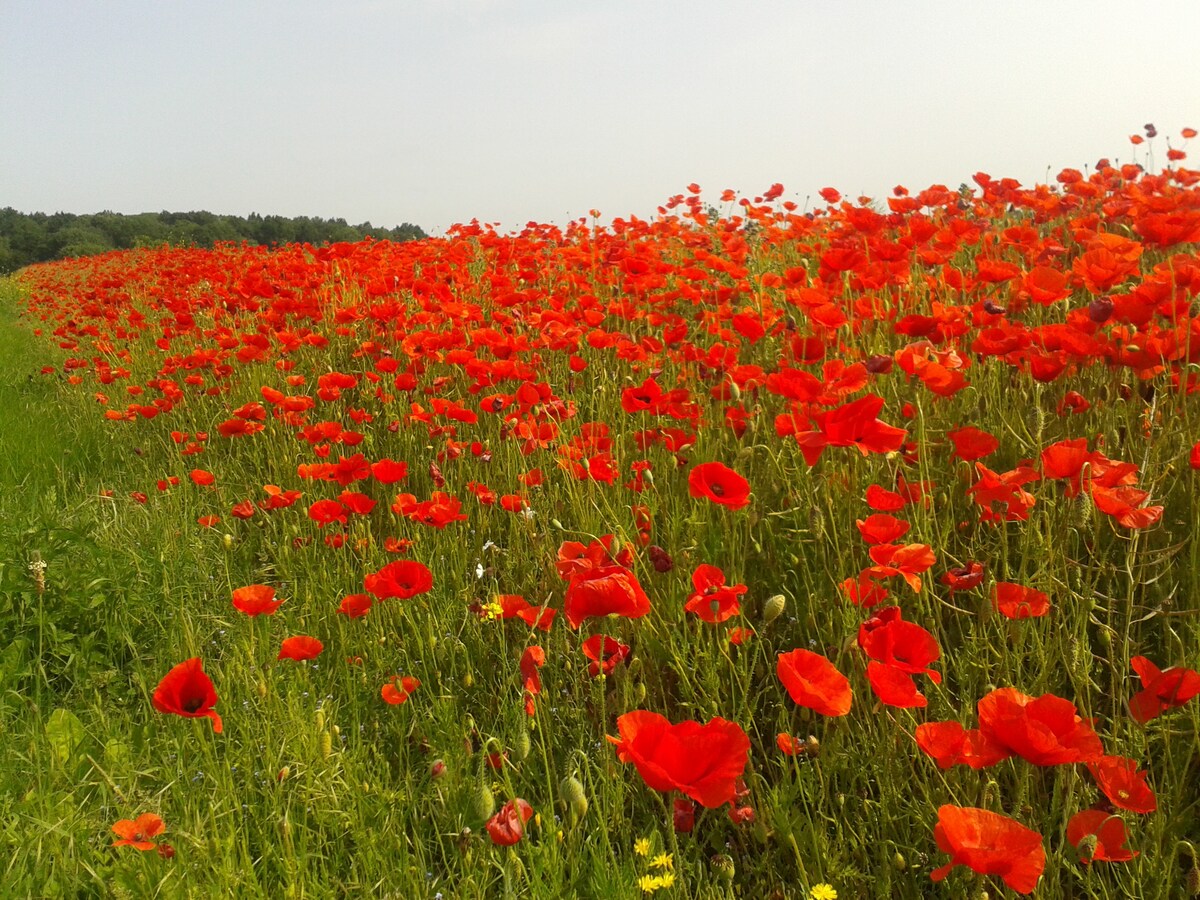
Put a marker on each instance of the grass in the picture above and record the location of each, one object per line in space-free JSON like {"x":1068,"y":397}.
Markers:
{"x":318,"y":788}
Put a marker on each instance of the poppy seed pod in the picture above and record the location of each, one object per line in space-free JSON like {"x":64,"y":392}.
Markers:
{"x":773,"y":608}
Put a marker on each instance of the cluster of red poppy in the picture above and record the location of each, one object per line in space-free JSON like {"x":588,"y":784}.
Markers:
{"x":467,"y":347}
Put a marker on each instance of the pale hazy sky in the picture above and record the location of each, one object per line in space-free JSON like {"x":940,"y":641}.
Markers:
{"x":440,"y":111}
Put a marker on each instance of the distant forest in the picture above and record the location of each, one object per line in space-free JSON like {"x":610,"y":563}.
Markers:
{"x":37,"y":237}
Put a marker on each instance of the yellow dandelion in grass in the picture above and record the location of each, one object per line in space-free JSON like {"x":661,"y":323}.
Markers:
{"x":649,"y":883}
{"x":662,"y":861}
{"x":642,"y":846}
{"x":822,"y":892}
{"x":666,"y":879}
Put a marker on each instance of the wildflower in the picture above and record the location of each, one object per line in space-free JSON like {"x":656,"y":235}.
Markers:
{"x":1161,"y":690}
{"x":300,"y":648}
{"x":186,"y":691}
{"x":256,"y":600}
{"x":507,"y":826}
{"x":397,"y":689}
{"x":822,"y":892}
{"x":138,"y":832}
{"x":812,"y":680}
{"x":701,"y":760}
{"x":663,"y":861}
{"x":717,"y":482}
{"x":1107,"y":830}
{"x":642,"y":846}
{"x":990,"y":844}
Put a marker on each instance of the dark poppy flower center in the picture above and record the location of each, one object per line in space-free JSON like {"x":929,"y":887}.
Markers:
{"x":717,"y":489}
{"x":192,"y":704}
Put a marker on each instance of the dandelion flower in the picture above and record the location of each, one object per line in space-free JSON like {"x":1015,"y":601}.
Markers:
{"x":662,"y":861}
{"x":642,"y":846}
{"x":822,"y":892}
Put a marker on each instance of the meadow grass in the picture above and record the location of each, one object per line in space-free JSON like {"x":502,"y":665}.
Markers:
{"x":317,"y":788}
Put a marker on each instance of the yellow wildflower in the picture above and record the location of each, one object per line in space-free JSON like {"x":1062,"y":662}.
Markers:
{"x":641,"y":846}
{"x":822,"y":892}
{"x":666,"y":879}
{"x":662,"y":861}
{"x":648,"y":883}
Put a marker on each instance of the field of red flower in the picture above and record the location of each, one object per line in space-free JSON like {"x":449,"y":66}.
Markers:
{"x":867,"y":537}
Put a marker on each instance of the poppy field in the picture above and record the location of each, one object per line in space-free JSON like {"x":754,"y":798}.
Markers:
{"x":751,"y":550}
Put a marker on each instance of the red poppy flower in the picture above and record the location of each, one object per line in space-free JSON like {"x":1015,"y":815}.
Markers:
{"x":717,"y":482}
{"x":355,"y":606}
{"x":1045,"y":730}
{"x":702,"y":761}
{"x":883,"y":500}
{"x":397,"y":689}
{"x":301,"y":647}
{"x":990,"y":844}
{"x":605,"y":653}
{"x":514,"y":606}
{"x":201,"y":477}
{"x":881,"y":528}
{"x":404,"y":578}
{"x":138,"y":832}
{"x":888,"y":639}
{"x":531,"y":660}
{"x":1161,"y":689}
{"x":813,"y":681}
{"x":187,"y":691}
{"x":713,"y":600}
{"x":507,"y":826}
{"x":1123,"y":784}
{"x":604,"y":591}
{"x":256,"y":600}
{"x":950,"y":744}
{"x":963,"y":578}
{"x":325,"y":512}
{"x":971,"y":443}
{"x":1109,"y":831}
{"x":1015,"y":601}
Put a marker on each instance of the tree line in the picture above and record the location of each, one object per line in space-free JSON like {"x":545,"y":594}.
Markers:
{"x":39,"y":237}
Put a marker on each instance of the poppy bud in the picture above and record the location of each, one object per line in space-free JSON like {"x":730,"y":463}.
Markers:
{"x":283,"y":774}
{"x":227,"y":540}
{"x":773,"y":608}
{"x":320,"y":719}
{"x":1193,"y":881}
{"x":571,"y":790}
{"x":166,"y":851}
{"x":438,"y":769}
{"x":326,"y":744}
{"x":484,"y":803}
{"x":521,"y":744}
{"x":899,"y":863}
{"x":468,"y":679}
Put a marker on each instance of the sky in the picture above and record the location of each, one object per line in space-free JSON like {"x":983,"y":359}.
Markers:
{"x":437,"y":112}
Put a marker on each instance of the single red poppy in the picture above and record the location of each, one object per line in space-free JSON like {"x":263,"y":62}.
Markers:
{"x":702,"y":761}
{"x":514,"y":606}
{"x":881,"y":528}
{"x":971,"y":443}
{"x":713,"y":600}
{"x":1123,"y":784}
{"x":202,"y":477}
{"x":137,"y":833}
{"x":355,"y":606}
{"x":990,"y":844}
{"x":256,"y":600}
{"x":813,"y":681}
{"x":963,"y":578}
{"x":722,"y":485}
{"x":404,"y":578}
{"x":187,"y":691}
{"x":507,"y":826}
{"x":397,"y":689}
{"x":301,"y":647}
{"x":605,"y":653}
{"x":1016,"y":601}
{"x":1162,"y":689}
{"x":604,"y":591}
{"x":1109,"y":831}
{"x":1045,"y":731}
{"x":950,"y":744}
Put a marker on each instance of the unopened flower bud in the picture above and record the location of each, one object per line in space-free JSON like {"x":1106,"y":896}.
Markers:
{"x":773,"y":608}
{"x":484,"y":803}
